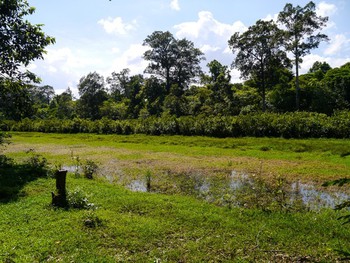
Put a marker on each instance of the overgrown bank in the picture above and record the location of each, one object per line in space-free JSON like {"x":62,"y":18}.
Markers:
{"x":287,"y":125}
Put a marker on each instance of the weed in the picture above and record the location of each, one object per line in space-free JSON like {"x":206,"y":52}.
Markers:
{"x":91,"y":220}
{"x":272,"y":195}
{"x":265,"y":148}
{"x":344,"y":154}
{"x":148,"y":177}
{"x":89,"y":169}
{"x":37,"y":164}
{"x":77,"y":164}
{"x":78,"y":199}
{"x":6,"y":162}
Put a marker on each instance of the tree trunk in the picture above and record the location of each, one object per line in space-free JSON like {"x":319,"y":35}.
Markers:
{"x":297,"y":87}
{"x":59,"y":198}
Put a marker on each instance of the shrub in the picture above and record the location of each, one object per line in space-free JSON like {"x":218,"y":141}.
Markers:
{"x":89,"y":169}
{"x":287,"y":125}
{"x":78,"y":199}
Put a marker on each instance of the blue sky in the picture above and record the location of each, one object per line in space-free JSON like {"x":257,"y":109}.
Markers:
{"x":107,"y":36}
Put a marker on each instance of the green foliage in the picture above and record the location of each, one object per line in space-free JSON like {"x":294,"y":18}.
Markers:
{"x":345,"y":204}
{"x":92,"y":95}
{"x":302,"y":34}
{"x":259,"y":54}
{"x":79,"y":200}
{"x":287,"y":125}
{"x":21,"y":42}
{"x":175,"y":61}
{"x":89,"y":168}
{"x":91,"y":220}
{"x":37,"y":164}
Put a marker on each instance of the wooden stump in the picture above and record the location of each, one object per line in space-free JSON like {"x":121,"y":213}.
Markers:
{"x":59,"y":198}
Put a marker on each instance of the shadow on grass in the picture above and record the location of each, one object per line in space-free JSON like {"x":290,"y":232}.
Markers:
{"x":13,"y":176}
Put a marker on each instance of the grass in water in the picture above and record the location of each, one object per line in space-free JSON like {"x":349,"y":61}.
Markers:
{"x":126,"y":226}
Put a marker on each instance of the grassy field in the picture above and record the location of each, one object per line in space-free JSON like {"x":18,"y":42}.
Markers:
{"x":128,"y":226}
{"x":313,"y":160}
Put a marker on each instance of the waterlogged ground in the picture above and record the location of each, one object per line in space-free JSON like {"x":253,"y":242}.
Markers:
{"x":208,"y":168}
{"x":193,"y":199}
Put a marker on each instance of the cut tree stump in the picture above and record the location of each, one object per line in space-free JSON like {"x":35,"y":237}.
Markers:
{"x":59,"y":198}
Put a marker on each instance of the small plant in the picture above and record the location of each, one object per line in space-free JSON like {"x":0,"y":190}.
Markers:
{"x":148,"y":177}
{"x":265,"y":148}
{"x":91,"y":220}
{"x":89,"y":169}
{"x":345,"y":204}
{"x":5,"y":161}
{"x":37,"y":164}
{"x":78,"y":199}
{"x":77,"y":164}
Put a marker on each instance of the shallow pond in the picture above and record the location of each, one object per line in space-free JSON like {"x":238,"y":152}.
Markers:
{"x":240,"y":189}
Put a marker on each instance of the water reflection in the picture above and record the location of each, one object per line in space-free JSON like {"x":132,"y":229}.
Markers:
{"x":235,"y":190}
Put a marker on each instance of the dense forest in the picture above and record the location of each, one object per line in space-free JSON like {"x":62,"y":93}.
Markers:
{"x":174,"y":85}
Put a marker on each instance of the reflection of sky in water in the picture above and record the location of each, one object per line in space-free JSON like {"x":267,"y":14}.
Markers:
{"x":310,"y":196}
{"x":315,"y":198}
{"x":137,"y":186}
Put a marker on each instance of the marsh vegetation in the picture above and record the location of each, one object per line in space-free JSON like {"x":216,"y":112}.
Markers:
{"x":191,"y":199}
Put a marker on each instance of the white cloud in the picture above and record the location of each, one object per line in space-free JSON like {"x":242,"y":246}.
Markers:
{"x":208,"y":48}
{"x":175,"y":5}
{"x":325,"y":9}
{"x":270,"y":17}
{"x":206,"y":26}
{"x":338,"y":42}
{"x":212,"y":37}
{"x":117,"y":26}
{"x":310,"y":59}
{"x":132,"y":59}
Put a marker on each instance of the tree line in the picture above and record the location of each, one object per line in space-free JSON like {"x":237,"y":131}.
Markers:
{"x":174,"y":84}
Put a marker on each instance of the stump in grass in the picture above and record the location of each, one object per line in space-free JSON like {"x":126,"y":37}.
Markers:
{"x":59,"y":198}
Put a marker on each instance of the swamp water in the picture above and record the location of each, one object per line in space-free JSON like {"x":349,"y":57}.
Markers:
{"x":237,"y":189}
{"x":244,"y":190}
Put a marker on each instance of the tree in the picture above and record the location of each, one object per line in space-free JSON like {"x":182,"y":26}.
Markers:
{"x":62,"y":106}
{"x":20,"y":41}
{"x":118,"y":84}
{"x":218,"y":82}
{"x":322,"y":66}
{"x":259,"y":54}
{"x":301,"y":24}
{"x":175,"y":61}
{"x":152,"y":95}
{"x":16,"y":100}
{"x":92,"y":95}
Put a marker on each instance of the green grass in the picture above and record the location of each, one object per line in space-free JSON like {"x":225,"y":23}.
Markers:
{"x":314,"y":160}
{"x":144,"y":227}
{"x":152,"y":227}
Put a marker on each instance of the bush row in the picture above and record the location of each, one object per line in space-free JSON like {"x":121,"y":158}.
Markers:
{"x":288,"y":125}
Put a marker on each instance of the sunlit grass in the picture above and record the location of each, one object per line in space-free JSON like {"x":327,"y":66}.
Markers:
{"x":177,"y":227}
{"x":145,"y":227}
{"x":309,"y":160}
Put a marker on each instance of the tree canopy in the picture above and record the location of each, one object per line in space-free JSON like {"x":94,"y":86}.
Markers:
{"x":20,"y":41}
{"x":302,"y":34}
{"x":176,"y":61}
{"x":259,"y":54}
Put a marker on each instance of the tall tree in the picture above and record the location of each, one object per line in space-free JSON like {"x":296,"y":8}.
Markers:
{"x":92,"y":95}
{"x":259,"y":54}
{"x":20,"y":41}
{"x":62,"y":106}
{"x":118,"y":84}
{"x":302,"y":34}
{"x":175,"y":61}
{"x":218,"y":82}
